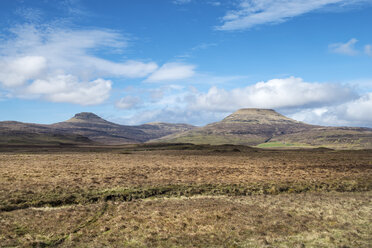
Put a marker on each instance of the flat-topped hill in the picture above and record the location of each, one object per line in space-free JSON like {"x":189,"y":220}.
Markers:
{"x":266,"y":126}
{"x":258,"y":116}
{"x":86,"y":117}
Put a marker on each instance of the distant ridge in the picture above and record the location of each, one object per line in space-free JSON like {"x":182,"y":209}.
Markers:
{"x":85,"y":128}
{"x":254,"y":127}
{"x":266,"y":127}
{"x":105,"y":132}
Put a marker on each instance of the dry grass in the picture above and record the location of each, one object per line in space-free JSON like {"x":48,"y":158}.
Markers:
{"x":135,"y":197}
{"x":285,"y":220}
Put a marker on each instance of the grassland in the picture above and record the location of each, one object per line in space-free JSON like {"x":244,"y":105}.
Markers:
{"x":283,"y":145}
{"x":181,"y":195}
{"x":200,"y":138}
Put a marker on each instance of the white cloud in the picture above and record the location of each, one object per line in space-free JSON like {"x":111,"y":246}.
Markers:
{"x":172,"y":72}
{"x":276,"y":93}
{"x":32,"y":55}
{"x":344,"y":48}
{"x":315,"y":103}
{"x":214,"y":3}
{"x":181,"y":1}
{"x":257,"y":12}
{"x":67,"y":88}
{"x":156,"y":94}
{"x":360,"y":109}
{"x":74,"y":51}
{"x":203,"y":46}
{"x":129,"y":69}
{"x":172,"y":115}
{"x":350,"y":113}
{"x":368,"y":50}
{"x":128,"y":102}
{"x":15,"y":72}
{"x":29,"y":14}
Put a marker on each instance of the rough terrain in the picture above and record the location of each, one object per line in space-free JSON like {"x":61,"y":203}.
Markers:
{"x":185,"y":196}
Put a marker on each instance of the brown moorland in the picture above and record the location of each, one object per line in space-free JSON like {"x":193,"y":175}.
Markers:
{"x":184,"y":195}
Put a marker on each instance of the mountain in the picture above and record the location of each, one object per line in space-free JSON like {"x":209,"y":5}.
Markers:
{"x":267,"y":128}
{"x":245,"y":126}
{"x":105,"y":132}
{"x":100,"y":130}
{"x":254,"y":127}
{"x":85,"y":128}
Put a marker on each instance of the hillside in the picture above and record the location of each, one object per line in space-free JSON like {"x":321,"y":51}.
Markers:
{"x":105,"y":132}
{"x":267,"y":128}
{"x":85,"y":128}
{"x":253,"y":127}
{"x":100,"y":130}
{"x":245,"y":126}
{"x":18,"y":133}
{"x":332,"y":137}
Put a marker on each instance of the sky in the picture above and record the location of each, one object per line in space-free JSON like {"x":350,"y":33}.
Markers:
{"x":186,"y":61}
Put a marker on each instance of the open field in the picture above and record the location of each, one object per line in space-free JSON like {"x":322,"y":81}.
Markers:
{"x":184,"y":195}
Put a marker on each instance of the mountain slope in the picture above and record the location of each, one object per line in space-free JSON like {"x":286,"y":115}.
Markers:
{"x":332,"y":137}
{"x":85,"y":128}
{"x":18,"y":133}
{"x":105,"y":132}
{"x":262,"y":127}
{"x":265,"y":126}
{"x":245,"y":126}
{"x":100,"y":130}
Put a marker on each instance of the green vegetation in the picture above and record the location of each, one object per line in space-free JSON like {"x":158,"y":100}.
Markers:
{"x":57,"y":199}
{"x":336,"y":138}
{"x":280,"y":144}
{"x":214,"y":139}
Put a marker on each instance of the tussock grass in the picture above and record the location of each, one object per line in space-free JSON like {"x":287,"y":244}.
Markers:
{"x":181,"y":195}
{"x":284,"y":220}
{"x":55,"y":199}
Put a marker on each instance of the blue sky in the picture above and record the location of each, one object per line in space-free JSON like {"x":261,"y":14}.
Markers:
{"x":190,"y":61}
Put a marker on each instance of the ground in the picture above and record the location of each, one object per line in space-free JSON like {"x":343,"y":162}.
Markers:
{"x":184,"y":196}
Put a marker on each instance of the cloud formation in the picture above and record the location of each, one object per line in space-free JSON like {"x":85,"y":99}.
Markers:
{"x":316,"y":103}
{"x":17,"y":71}
{"x":74,"y":51}
{"x":68,"y":89}
{"x":251,"y":13}
{"x":276,"y":93}
{"x":63,"y":60}
{"x":181,"y":1}
{"x":356,"y":112}
{"x":368,"y":50}
{"x":172,"y":72}
{"x":128,"y":102}
{"x":347,"y":48}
